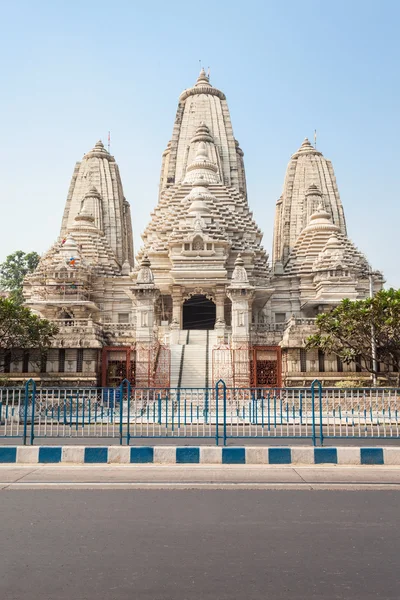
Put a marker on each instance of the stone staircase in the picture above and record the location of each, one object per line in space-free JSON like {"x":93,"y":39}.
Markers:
{"x":176,"y":358}
{"x":191,"y":359}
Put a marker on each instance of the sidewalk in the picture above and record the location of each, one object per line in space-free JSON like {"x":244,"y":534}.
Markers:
{"x":18,"y":477}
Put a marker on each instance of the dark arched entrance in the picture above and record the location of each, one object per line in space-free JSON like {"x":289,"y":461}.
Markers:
{"x":198,"y":313}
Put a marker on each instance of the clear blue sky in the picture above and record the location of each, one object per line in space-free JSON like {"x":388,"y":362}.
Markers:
{"x":71,"y":71}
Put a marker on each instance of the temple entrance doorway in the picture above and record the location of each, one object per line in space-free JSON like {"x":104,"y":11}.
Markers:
{"x":199,"y":313}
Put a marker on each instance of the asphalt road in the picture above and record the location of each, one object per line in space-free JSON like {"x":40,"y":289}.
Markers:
{"x":199,"y":544}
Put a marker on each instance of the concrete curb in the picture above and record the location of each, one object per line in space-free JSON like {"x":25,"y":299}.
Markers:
{"x":167,"y":455}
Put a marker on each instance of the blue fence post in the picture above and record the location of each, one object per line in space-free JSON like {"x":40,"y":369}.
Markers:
{"x":206,"y":406}
{"x":33,"y":384}
{"x":26,"y":403}
{"x":224,"y":404}
{"x":217,"y":387}
{"x":121,"y":412}
{"x":321,"y":435}
{"x":126,"y":383}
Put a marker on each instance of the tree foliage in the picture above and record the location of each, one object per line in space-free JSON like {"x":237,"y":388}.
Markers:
{"x":14,"y":269}
{"x":348,"y":330}
{"x":21,"y":330}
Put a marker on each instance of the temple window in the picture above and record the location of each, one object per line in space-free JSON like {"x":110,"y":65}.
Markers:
{"x":7,"y":362}
{"x":123,"y":317}
{"x":43,"y":362}
{"x":209,"y":246}
{"x":303,"y":360}
{"x":187,"y":247}
{"x":61,"y":360}
{"x":321,"y":361}
{"x":25,"y":362}
{"x":79,"y":360}
{"x":280,"y":317}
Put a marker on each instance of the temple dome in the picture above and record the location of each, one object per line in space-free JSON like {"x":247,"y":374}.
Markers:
{"x":98,"y":151}
{"x":199,"y":206}
{"x":202,"y":167}
{"x":321,"y":219}
{"x":202,"y":134}
{"x":322,"y":246}
{"x":202,"y":86}
{"x":202,"y":79}
{"x":306,"y":148}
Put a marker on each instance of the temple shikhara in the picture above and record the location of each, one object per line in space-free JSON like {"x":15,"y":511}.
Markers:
{"x":201,"y":299}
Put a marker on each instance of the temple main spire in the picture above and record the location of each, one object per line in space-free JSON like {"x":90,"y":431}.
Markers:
{"x":203,"y":112}
{"x":203,"y":204}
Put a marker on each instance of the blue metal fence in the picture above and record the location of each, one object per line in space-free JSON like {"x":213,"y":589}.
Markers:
{"x":219,"y":413}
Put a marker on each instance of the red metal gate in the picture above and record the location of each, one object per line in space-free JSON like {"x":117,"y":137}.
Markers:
{"x":248,"y":366}
{"x":144,"y":365}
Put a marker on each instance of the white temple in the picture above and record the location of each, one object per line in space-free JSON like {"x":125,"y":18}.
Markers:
{"x":202,"y":300}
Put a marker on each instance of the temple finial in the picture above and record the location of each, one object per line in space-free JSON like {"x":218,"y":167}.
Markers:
{"x":202,"y":78}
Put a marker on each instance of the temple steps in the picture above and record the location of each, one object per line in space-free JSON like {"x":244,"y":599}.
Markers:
{"x":176,"y":357}
{"x":191,"y":359}
{"x":194,"y":366}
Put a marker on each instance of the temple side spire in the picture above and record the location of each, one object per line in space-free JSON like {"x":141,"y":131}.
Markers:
{"x":97,"y":177}
{"x":309,"y":179}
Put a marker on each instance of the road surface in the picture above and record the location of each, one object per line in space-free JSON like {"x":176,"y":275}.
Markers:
{"x":63,"y":543}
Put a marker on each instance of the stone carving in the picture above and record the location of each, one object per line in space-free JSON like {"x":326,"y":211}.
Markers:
{"x":239,"y":273}
{"x":145,"y":274}
{"x":197,"y":291}
{"x":198,"y":243}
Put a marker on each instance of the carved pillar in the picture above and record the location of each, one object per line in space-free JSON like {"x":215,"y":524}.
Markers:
{"x":241,"y":302}
{"x":177,"y":305}
{"x":145,"y":309}
{"x":220,"y":296}
{"x":241,"y":294}
{"x":146,"y":295}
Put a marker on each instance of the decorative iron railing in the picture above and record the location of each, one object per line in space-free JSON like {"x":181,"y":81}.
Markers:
{"x":220,"y":413}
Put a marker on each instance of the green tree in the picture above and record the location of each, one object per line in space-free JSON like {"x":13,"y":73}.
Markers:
{"x":350,"y":329}
{"x":14,"y":269}
{"x":21,"y":330}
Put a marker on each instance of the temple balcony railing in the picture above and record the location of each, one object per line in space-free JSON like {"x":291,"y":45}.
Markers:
{"x":267,"y":327}
{"x":71,"y":295}
{"x":71,"y":326}
{"x":118,"y":331}
{"x":301,"y":321}
{"x":117,"y":327}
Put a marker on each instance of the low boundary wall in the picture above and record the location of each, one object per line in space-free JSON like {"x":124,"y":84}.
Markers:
{"x":167,"y":455}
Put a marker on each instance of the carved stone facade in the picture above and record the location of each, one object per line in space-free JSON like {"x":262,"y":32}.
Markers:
{"x":202,"y":264}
